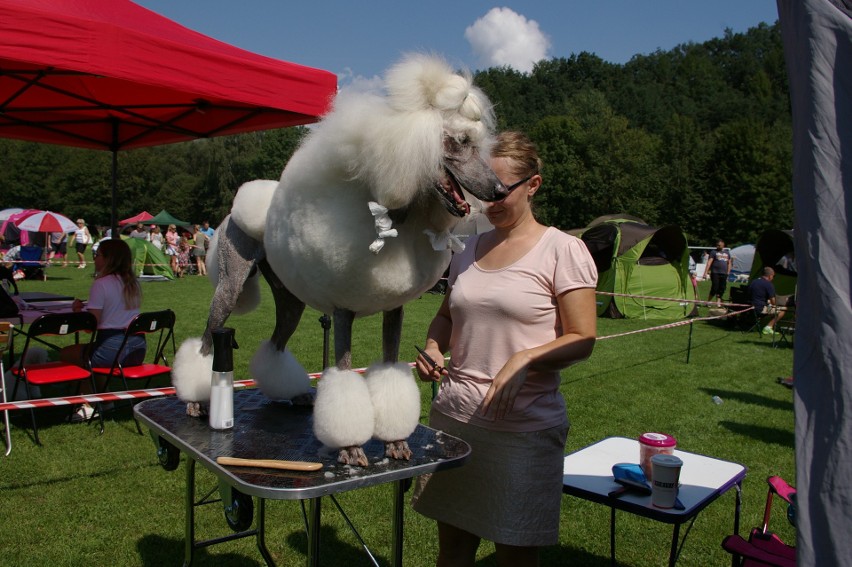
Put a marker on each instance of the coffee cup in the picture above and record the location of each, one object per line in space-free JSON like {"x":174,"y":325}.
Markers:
{"x":666,"y":477}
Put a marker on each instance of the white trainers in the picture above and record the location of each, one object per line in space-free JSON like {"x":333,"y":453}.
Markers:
{"x":83,"y":413}
{"x":768,"y":331}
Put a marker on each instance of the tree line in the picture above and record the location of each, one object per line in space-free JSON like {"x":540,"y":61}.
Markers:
{"x":699,"y":136}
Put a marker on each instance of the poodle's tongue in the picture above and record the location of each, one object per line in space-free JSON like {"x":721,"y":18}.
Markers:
{"x":455,"y":192}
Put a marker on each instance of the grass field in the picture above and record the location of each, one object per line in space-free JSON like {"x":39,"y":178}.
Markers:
{"x":89,"y":499}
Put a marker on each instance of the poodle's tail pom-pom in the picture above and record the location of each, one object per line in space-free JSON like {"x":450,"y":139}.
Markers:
{"x":278,"y":374}
{"x":249,"y":297}
{"x":396,"y":400}
{"x":343,"y":412}
{"x":191,"y":372}
{"x":250,"y":206}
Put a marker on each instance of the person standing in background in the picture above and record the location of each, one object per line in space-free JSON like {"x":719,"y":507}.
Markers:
{"x":200,"y":244}
{"x":719,"y":264}
{"x":82,"y":238}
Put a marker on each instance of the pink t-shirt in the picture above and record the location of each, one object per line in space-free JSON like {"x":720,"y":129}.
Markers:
{"x":497,"y":313}
{"x":108,"y":296}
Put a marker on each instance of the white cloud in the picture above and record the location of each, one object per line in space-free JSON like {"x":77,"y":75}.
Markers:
{"x":503,"y":37}
{"x":359,"y":83}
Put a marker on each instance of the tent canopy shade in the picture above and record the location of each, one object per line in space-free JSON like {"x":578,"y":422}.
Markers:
{"x":141,"y":217}
{"x":163,"y":217}
{"x":114,"y":75}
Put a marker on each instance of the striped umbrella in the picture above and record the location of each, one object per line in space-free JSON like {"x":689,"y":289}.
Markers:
{"x":46,"y":221}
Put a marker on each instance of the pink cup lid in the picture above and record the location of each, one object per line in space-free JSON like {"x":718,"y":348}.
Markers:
{"x":657,"y":440}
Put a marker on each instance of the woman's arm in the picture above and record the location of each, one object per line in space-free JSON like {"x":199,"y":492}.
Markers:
{"x":437,"y":343}
{"x":577,"y":311}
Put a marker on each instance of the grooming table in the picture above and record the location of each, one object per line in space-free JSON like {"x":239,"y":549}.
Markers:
{"x":264,"y":429}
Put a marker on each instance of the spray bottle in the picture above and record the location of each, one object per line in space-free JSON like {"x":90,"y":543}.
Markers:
{"x":222,"y":386}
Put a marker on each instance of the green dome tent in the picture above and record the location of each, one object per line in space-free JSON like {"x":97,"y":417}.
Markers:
{"x":770,"y":250}
{"x":148,"y":260}
{"x":635,"y":259}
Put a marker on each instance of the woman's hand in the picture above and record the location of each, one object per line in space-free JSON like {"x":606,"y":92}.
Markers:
{"x":77,"y":306}
{"x":430,"y":370}
{"x":500,"y":397}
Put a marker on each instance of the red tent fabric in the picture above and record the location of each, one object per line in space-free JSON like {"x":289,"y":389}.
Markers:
{"x":141,"y":217}
{"x":113,"y":75}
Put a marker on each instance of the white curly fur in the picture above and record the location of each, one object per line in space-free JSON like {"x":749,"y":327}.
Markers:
{"x":189,"y":371}
{"x":388,"y":149}
{"x":278,"y":374}
{"x":396,"y":400}
{"x":250,"y":205}
{"x":343,"y":412}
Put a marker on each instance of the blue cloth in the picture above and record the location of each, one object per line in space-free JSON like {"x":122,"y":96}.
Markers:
{"x":109,"y":341}
{"x":761,"y":291}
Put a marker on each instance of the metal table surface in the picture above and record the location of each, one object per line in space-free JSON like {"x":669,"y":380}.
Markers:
{"x":264,"y":429}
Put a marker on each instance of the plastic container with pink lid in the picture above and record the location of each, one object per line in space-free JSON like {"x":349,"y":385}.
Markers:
{"x":651,"y":444}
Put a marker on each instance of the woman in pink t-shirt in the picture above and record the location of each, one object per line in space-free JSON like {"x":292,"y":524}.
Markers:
{"x":520,"y":308}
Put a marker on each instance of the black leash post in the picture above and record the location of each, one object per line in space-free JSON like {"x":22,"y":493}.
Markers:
{"x":689,"y":345}
{"x":325,"y":321}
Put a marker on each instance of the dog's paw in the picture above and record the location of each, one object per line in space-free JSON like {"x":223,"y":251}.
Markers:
{"x":352,"y":456}
{"x":196,"y":409}
{"x":398,"y":450}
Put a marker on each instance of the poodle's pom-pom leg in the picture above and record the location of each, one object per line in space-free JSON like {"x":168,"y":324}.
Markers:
{"x":343,"y":414}
{"x":279,"y":375}
{"x":191,"y":374}
{"x":396,"y":405}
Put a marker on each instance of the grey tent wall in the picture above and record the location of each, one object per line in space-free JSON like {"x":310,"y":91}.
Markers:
{"x":817,"y":36}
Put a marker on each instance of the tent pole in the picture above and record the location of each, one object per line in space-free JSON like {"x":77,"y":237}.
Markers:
{"x":114,"y":211}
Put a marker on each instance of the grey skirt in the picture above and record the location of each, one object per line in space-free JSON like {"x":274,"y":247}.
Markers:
{"x":510,"y":489}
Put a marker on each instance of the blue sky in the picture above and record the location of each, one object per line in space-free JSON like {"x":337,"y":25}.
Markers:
{"x":359,"y":40}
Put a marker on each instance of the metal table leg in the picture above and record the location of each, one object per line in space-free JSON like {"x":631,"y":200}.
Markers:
{"x":314,"y":513}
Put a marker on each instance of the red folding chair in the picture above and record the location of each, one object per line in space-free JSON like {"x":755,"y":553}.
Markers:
{"x":159,"y":323}
{"x":763,"y":547}
{"x":53,"y":325}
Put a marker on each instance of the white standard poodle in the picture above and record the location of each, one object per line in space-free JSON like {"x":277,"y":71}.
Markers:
{"x":359,"y":223}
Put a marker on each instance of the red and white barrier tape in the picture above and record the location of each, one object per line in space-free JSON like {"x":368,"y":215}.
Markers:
{"x":168,"y":391}
{"x":117,"y":396}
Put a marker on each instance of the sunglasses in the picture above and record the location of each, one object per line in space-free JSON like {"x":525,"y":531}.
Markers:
{"x":514,"y":186}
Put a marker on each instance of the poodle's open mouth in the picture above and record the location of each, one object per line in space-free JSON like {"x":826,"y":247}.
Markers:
{"x":451,"y":194}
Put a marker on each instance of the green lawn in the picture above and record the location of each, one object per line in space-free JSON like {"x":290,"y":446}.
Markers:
{"x":84,"y":498}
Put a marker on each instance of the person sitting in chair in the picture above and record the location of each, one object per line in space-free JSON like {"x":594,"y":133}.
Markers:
{"x":762,"y":294}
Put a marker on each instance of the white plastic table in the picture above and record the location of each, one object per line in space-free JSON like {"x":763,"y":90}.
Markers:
{"x":587,"y":474}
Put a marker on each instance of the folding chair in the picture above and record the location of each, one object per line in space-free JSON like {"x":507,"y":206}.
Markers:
{"x":54,"y":325}
{"x":31,"y":262}
{"x":749,"y":320}
{"x":155,"y":322}
{"x":763,"y":547}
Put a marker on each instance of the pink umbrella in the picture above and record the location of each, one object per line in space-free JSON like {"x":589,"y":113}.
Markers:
{"x":45,"y":221}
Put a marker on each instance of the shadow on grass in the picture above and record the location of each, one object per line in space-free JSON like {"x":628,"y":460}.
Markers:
{"x":750,"y":398}
{"x":558,"y":555}
{"x":771,"y":435}
{"x":157,"y":550}
{"x":72,"y":477}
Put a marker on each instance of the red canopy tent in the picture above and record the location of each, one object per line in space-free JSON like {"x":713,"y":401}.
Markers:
{"x":141,"y":217}
{"x":113,"y":75}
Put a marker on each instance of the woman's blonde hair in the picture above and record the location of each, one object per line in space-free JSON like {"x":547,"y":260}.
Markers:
{"x":119,"y":261}
{"x":522,"y":152}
